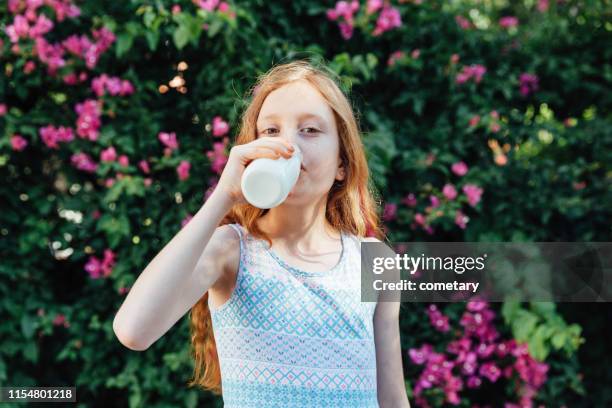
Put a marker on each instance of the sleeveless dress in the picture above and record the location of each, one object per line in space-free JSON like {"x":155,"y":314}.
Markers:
{"x":292,"y":338}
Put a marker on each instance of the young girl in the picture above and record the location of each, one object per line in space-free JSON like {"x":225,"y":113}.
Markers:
{"x":275,"y":297}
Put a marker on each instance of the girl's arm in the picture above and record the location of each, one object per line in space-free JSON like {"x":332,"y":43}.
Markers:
{"x":389,"y":369}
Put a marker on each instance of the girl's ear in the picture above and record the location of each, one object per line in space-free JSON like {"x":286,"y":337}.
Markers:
{"x":340,"y":174}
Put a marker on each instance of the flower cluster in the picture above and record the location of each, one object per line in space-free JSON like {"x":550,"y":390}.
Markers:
{"x":101,"y":268}
{"x":528,"y":83}
{"x":474,"y":71}
{"x":388,"y":18}
{"x":51,"y":135}
{"x":113,"y":85}
{"x":476,"y":357}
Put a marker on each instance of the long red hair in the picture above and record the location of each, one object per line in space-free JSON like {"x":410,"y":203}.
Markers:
{"x":351,"y":205}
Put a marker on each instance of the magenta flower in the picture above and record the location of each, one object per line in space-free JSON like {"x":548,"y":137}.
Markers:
{"x":124,"y":161}
{"x":394,"y":57}
{"x":144,"y":166}
{"x":343,"y":12}
{"x":529,"y":83}
{"x":449,"y":191}
{"x":490,"y":371}
{"x":3,"y":109}
{"x":463,"y":22}
{"x":410,"y":200}
{"x":474,"y":71}
{"x":208,"y":5}
{"x":183,"y":170}
{"x":390,"y":211}
{"x":113,"y":85}
{"x":542,"y":6}
{"x":419,"y":219}
{"x":98,"y":268}
{"x":435,"y":201}
{"x":18,"y":143}
{"x":88,"y":123}
{"x":438,"y":320}
{"x":220,"y":127}
{"x":420,"y":355}
{"x":459,"y":168}
{"x":108,"y":155}
{"x":82,"y":161}
{"x":508,"y":22}
{"x":217,"y":156}
{"x":388,"y":19}
{"x":51,"y":135}
{"x":473,"y":193}
{"x":51,"y":55}
{"x":60,"y":320}
{"x":372,"y":6}
{"x":474,"y":120}
{"x":169,"y":140}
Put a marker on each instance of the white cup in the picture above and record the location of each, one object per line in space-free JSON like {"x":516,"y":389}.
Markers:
{"x":266,"y":182}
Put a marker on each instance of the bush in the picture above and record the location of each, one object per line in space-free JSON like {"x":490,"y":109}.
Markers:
{"x":483,"y":121}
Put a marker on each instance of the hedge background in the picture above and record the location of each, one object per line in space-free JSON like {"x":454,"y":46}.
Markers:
{"x":483,"y":120}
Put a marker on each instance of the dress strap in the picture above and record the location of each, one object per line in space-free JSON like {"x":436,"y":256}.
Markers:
{"x":238,"y":228}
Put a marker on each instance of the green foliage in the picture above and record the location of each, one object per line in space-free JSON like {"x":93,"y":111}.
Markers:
{"x":542,"y":161}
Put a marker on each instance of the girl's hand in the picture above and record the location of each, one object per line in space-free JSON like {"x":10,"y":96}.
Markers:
{"x":241,"y":155}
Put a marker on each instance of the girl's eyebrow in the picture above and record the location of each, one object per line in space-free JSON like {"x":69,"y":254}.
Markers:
{"x":305,"y":115}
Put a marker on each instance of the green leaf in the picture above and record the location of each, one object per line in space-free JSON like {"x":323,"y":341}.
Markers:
{"x":30,"y":351}
{"x":523,"y":325}
{"x":124,"y":43}
{"x":152,"y":38}
{"x":214,"y":28}
{"x":181,"y":36}
{"x":28,"y":326}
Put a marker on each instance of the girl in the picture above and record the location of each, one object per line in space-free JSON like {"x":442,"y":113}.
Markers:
{"x":276,"y":316}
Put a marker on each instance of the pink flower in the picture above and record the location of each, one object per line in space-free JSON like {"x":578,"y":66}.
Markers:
{"x":435,"y":201}
{"x":98,"y":268}
{"x":474,"y":71}
{"x":208,"y":5}
{"x":82,"y":161}
{"x":388,"y":19}
{"x":169,"y":140}
{"x":124,"y":161}
{"x":490,"y":371}
{"x":51,"y":55}
{"x":393,"y":58}
{"x":42,"y":26}
{"x":51,"y":136}
{"x":459,"y":168}
{"x":113,"y":85}
{"x":461,"y":219}
{"x":60,"y":320}
{"x":18,"y":143}
{"x":373,"y":6}
{"x":542,"y":6}
{"x":463,"y":22}
{"x":438,"y":320}
{"x":144,"y":166}
{"x":88,"y":122}
{"x":449,"y":191}
{"x":108,"y":155}
{"x":419,"y":218}
{"x":473,"y":193}
{"x":183,"y":170}
{"x":29,"y":67}
{"x":220,"y":127}
{"x":390,"y":211}
{"x":410,"y":200}
{"x":421,"y":355}
{"x":474,"y":120}
{"x":528,"y":83}
{"x":494,"y":127}
{"x":2,"y":109}
{"x":508,"y":21}
{"x":217,"y":156}
{"x":454,"y":58}
{"x":176,"y":9}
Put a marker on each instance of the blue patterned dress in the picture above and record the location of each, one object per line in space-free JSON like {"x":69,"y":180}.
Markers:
{"x":292,"y":338}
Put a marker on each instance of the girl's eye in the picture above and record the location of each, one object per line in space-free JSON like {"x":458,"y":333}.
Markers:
{"x":313,"y":130}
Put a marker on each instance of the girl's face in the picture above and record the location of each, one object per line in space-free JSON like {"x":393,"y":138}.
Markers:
{"x":298,"y":113}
